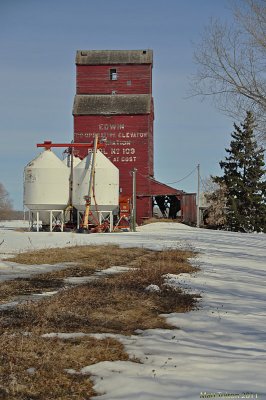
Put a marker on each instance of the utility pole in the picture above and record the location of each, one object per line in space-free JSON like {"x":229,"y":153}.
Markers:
{"x":134,"y":200}
{"x":198,"y":195}
{"x":91,"y":183}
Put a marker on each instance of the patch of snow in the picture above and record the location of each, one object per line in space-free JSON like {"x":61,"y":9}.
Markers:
{"x":78,"y":280}
{"x":116,"y":269}
{"x":175,"y":281}
{"x":11,"y":270}
{"x":65,"y":335}
{"x":71,"y":371}
{"x":10,"y":304}
{"x":31,"y":371}
{"x":46,"y":294}
{"x":20,"y":299}
{"x":14,"y":224}
{"x":152,"y":288}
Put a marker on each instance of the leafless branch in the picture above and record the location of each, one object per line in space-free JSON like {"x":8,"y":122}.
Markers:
{"x":231,"y":63}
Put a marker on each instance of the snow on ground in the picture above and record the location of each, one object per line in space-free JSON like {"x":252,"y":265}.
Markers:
{"x":218,"y":348}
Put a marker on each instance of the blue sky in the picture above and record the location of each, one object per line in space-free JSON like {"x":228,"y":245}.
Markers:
{"x":38,"y":42}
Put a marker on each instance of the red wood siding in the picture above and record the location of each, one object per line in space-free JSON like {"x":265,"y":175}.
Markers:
{"x":131,"y":79}
{"x":144,"y":208}
{"x":128,"y":145}
{"x":189,"y":208}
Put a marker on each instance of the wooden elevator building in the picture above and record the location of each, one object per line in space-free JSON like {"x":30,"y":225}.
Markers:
{"x":114,"y":99}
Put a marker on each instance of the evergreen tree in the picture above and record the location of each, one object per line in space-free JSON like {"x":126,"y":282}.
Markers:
{"x":244,"y":178}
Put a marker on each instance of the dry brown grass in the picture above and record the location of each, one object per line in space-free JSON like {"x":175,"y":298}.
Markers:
{"x":33,"y":367}
{"x":87,"y":259}
{"x":91,"y":256}
{"x":153,"y":220}
{"x":10,"y":290}
{"x":115,"y":304}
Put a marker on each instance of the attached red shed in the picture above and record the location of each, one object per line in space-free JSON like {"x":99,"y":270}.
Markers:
{"x":114,"y":100}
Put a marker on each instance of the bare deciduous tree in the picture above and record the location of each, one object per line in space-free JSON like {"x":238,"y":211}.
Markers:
{"x":5,"y":203}
{"x":215,"y":195}
{"x":231,"y":63}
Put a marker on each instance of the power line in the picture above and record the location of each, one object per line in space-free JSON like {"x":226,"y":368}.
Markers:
{"x":203,"y":184}
{"x":185,"y":177}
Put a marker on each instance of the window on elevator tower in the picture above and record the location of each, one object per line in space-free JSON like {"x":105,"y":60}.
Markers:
{"x":113,"y":74}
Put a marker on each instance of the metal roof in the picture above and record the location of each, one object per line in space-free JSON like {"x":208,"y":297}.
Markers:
{"x":98,"y":57}
{"x":112,"y":104}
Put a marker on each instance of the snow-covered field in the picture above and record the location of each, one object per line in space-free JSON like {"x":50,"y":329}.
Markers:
{"x":220,"y":348}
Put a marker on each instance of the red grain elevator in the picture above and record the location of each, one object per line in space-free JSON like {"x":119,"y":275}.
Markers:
{"x":114,"y":99}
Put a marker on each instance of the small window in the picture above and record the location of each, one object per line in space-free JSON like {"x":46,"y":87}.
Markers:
{"x":113,"y":74}
{"x":129,"y":83}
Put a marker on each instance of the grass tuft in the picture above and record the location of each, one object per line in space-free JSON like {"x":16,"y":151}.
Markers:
{"x":34,"y":367}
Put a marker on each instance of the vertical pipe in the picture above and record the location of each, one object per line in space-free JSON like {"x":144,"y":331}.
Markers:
{"x":134,"y":200}
{"x":31,"y":220}
{"x":71,"y":183}
{"x":198,"y":195}
{"x":78,"y":220}
{"x":88,"y":201}
{"x":37,"y":220}
{"x":51,"y":221}
{"x":111,"y":221}
{"x":62,"y":220}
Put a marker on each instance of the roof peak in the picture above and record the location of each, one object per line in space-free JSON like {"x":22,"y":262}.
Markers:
{"x":112,"y":104}
{"x":98,"y":57}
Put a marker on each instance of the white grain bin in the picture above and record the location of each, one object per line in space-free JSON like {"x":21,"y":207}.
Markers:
{"x":106,"y":183}
{"x":46,"y":184}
